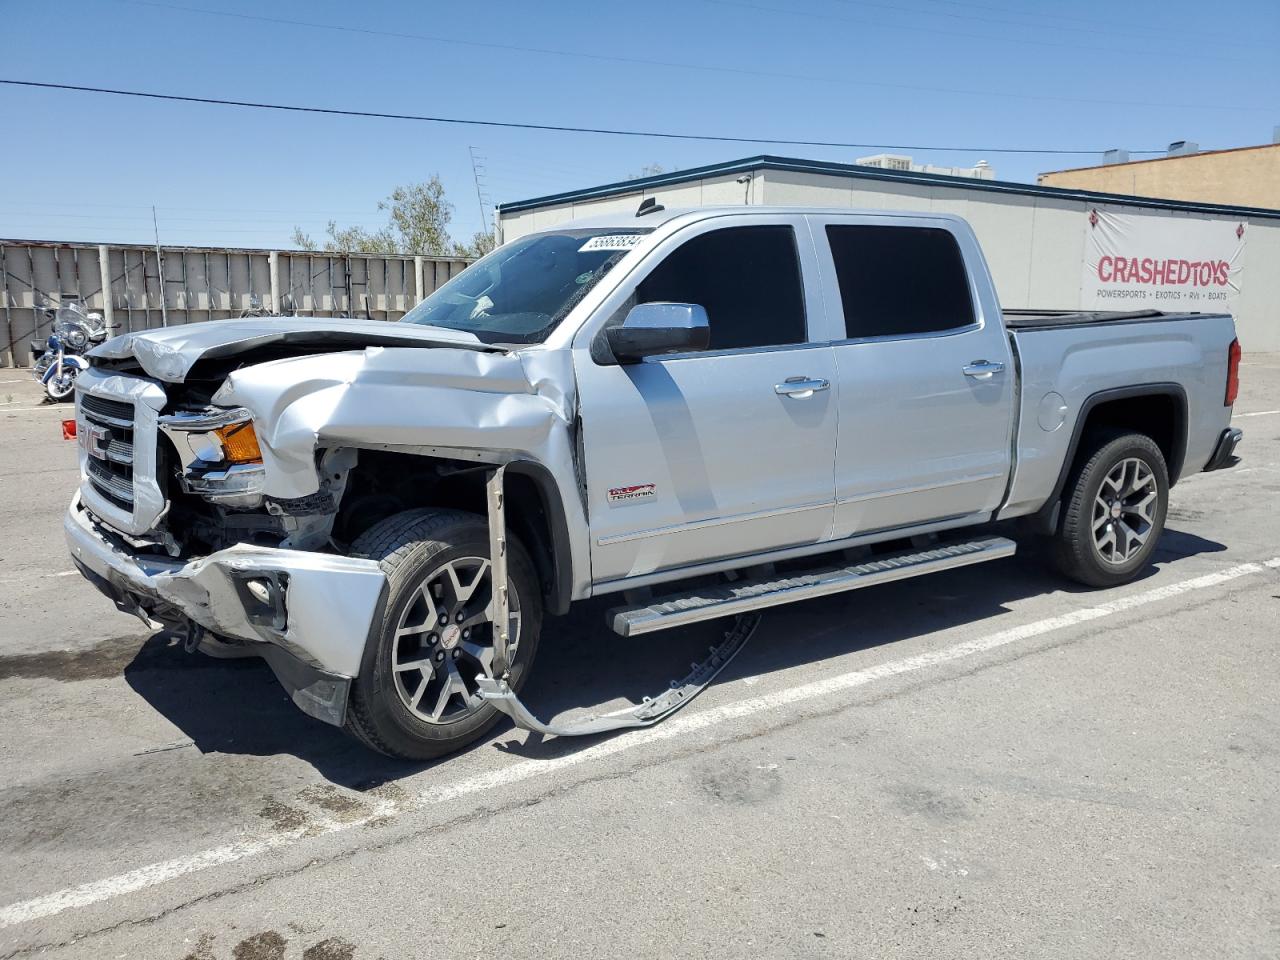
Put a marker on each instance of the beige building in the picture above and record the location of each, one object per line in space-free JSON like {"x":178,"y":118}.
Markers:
{"x":1244,"y":176}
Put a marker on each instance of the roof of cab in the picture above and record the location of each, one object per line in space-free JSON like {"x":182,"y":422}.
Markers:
{"x":628,"y":219}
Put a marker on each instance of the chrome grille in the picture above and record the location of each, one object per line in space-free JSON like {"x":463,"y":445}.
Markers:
{"x":116,"y":488}
{"x":107,"y":411}
{"x":109,"y":445}
{"x":120,"y":451}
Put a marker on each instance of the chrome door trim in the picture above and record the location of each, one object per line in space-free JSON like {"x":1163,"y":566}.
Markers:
{"x":983,"y":369}
{"x":927,"y":335}
{"x":801,"y":387}
{"x":920,"y":488}
{"x":711,"y":522}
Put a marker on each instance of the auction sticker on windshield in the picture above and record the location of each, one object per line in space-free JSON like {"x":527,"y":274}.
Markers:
{"x":612,"y":241}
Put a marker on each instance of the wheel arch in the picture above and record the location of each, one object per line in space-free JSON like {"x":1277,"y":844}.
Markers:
{"x":533,"y":494}
{"x":384,"y":482}
{"x":1158,"y":410}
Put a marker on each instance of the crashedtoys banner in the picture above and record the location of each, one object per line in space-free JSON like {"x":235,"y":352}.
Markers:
{"x":1141,"y":262}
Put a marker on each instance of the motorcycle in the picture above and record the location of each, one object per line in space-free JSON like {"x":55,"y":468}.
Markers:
{"x":74,"y":334}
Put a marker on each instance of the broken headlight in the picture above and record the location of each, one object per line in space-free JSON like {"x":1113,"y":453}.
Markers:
{"x":218,"y":454}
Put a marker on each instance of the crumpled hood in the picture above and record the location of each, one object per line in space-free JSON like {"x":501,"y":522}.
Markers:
{"x":170,"y":353}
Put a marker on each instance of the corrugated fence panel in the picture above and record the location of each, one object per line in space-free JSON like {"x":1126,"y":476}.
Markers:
{"x":200,"y":283}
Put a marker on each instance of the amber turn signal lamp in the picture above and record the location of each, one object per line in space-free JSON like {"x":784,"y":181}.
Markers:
{"x":239,"y":443}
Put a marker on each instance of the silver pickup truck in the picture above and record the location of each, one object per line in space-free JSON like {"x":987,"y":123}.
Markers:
{"x":701,"y":412}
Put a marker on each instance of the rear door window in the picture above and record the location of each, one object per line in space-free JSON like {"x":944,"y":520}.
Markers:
{"x":899,"y":281}
{"x":747,"y":278}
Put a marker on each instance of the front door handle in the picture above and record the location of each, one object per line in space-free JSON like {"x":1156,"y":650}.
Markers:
{"x":799,"y":387}
{"x":983,"y":369}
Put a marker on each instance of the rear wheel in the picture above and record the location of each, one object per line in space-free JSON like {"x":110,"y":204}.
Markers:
{"x":1114,"y":510}
{"x":416,"y":694}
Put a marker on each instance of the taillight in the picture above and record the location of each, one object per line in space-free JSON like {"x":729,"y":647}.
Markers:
{"x":1233,"y":373}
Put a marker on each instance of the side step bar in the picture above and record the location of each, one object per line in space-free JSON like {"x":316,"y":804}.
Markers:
{"x":707,"y":603}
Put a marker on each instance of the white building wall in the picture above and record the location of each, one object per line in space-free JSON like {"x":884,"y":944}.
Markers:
{"x":1035,"y":245}
{"x":1258,"y":309}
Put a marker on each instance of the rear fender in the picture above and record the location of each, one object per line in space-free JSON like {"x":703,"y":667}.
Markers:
{"x":1045,"y":520}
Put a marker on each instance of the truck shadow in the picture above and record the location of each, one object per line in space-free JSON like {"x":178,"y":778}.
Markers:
{"x":238,"y":707}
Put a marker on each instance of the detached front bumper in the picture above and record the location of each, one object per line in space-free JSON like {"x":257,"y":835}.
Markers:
{"x":311,"y":613}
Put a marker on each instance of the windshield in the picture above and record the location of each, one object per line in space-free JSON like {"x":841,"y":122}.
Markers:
{"x":521,"y":291}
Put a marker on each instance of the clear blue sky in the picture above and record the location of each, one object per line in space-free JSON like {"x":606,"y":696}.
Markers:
{"x":1087,"y":74}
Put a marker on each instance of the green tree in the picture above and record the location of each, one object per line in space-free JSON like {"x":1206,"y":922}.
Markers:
{"x":419,"y":216}
{"x":480,"y":244}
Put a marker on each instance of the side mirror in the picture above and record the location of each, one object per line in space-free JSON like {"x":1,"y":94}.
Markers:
{"x":652,"y":329}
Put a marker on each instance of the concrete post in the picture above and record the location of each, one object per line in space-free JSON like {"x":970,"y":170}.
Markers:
{"x":104,"y":272}
{"x":273,"y":261}
{"x":419,"y":280}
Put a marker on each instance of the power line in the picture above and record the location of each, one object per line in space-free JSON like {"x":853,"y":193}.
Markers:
{"x":1145,"y":28}
{"x":703,"y":67}
{"x":554,"y":128}
{"x":1093,"y":29}
{"x":1077,"y":48}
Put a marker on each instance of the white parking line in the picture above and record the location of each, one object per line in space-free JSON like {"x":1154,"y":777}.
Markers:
{"x":40,"y":576}
{"x":1259,"y":413}
{"x":253,"y":845}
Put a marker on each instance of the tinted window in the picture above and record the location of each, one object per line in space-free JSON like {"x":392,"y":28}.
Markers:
{"x":747,"y":278}
{"x":899,"y":280}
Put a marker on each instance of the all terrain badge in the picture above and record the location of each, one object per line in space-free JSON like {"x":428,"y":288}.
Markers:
{"x":632,"y":493}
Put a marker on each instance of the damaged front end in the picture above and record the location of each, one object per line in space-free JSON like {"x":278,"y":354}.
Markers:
{"x":307,"y":613}
{"x":222,"y":483}
{"x":174,"y":523}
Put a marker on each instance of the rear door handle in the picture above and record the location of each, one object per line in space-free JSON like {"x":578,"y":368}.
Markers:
{"x":983,"y":369}
{"x":799,"y":387}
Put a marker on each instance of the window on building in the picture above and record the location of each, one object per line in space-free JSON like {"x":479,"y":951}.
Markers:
{"x":747,"y":278}
{"x":896,"y":281}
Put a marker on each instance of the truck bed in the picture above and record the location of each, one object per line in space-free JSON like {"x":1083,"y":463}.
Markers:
{"x":1064,"y":358}
{"x":1056,"y":319}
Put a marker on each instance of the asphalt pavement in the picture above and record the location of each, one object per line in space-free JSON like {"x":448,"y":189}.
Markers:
{"x":983,"y":763}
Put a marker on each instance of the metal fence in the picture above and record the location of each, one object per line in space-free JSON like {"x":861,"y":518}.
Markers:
{"x":136,"y":290}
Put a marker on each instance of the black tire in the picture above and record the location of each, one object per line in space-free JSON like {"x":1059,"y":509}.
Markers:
{"x":1076,"y":550}
{"x":409,"y":546}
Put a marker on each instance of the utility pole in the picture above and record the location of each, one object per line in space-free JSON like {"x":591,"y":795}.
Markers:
{"x":477,"y":171}
{"x":164,"y":309}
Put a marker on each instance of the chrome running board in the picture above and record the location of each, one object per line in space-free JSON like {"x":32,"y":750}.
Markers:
{"x":723,"y":600}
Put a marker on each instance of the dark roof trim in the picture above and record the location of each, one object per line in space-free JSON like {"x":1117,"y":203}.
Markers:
{"x":856,"y":172}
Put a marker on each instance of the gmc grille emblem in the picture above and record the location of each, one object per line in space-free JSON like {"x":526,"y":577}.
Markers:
{"x":96,"y":440}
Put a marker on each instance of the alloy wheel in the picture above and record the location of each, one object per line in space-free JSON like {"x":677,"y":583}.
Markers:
{"x":444,"y":640}
{"x":1124,"y":510}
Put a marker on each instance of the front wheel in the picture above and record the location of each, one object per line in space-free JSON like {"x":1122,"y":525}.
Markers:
{"x":62,"y":388}
{"x":1114,"y":510}
{"x":416,"y":694}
